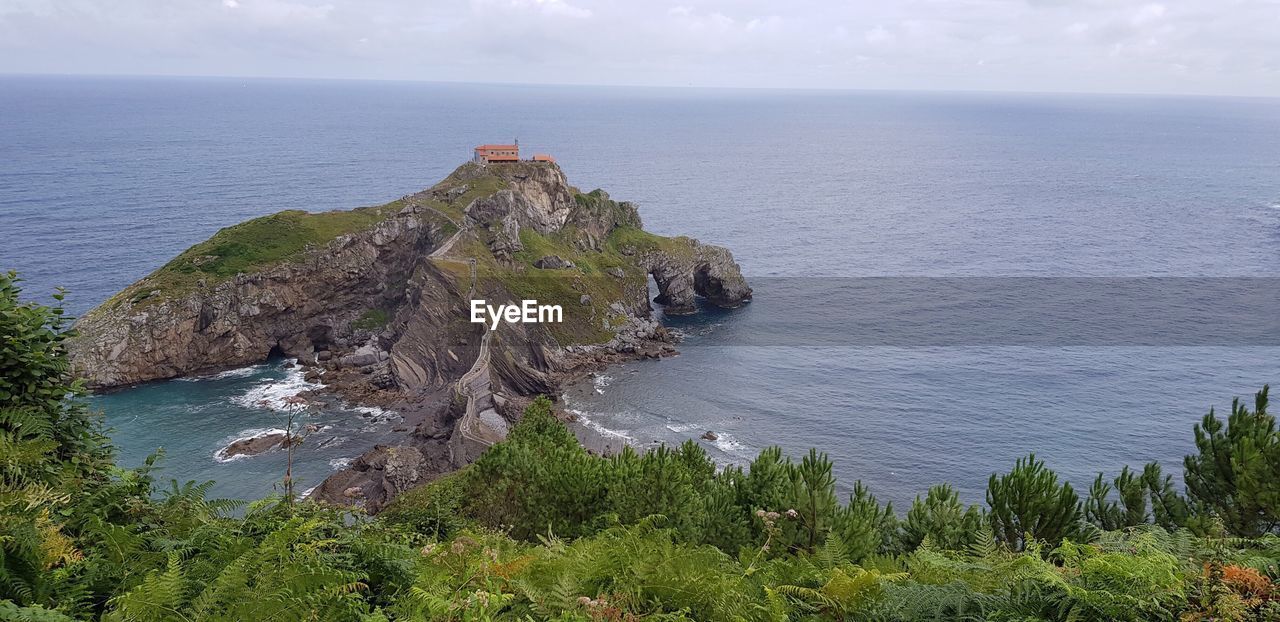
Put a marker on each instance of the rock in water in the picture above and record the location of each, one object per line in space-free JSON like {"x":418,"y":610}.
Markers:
{"x":255,"y":445}
{"x":710,"y":436}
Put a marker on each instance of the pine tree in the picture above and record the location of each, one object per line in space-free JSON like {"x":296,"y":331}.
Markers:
{"x":814,"y":499}
{"x":1232,"y":475}
{"x":942,"y":519}
{"x":1131,"y":507}
{"x":1169,"y":509}
{"x":1028,"y":502}
{"x":863,"y":526}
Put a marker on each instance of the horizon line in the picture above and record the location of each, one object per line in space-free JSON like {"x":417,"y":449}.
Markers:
{"x":672,"y":87}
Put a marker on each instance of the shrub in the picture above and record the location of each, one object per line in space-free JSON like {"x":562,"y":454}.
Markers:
{"x":943,"y":520}
{"x":1028,"y":502}
{"x":1235,"y":472}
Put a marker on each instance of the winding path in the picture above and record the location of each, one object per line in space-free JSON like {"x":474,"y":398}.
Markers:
{"x":480,"y":425}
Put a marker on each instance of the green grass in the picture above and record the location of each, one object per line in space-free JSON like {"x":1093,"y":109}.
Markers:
{"x":583,"y":324}
{"x":596,"y":205}
{"x":641,"y":241}
{"x":435,"y":509}
{"x":373,"y":319}
{"x":262,"y":242}
{"x":252,"y":245}
{"x":476,"y":188}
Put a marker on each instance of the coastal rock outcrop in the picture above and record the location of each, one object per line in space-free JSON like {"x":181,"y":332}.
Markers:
{"x":692,"y":271}
{"x":375,"y":303}
{"x":256,"y":444}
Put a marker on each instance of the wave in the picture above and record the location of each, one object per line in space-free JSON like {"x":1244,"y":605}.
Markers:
{"x":600,"y":382}
{"x":338,"y":464}
{"x":600,"y":429}
{"x":239,"y":372}
{"x":728,"y":445}
{"x":221,"y":454}
{"x":278,"y":395}
{"x":378,"y":415}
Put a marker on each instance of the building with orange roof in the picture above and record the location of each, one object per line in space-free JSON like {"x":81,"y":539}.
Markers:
{"x":491,"y":154}
{"x":486,"y":154}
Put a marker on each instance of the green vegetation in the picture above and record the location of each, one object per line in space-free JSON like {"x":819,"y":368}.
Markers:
{"x":539,"y":529}
{"x":590,"y":277}
{"x":471,"y":189}
{"x":640,"y":241}
{"x":286,"y":236}
{"x":373,"y":319}
{"x":253,"y":245}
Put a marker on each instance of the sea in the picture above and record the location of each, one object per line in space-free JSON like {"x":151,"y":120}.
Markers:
{"x":103,"y":179}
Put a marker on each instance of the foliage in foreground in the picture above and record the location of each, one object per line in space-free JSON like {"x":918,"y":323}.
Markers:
{"x":539,"y":529}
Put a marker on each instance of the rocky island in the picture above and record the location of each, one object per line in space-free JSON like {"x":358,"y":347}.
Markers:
{"x":375,"y":302}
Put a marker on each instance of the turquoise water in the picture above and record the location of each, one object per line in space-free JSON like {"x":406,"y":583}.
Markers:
{"x":193,"y":420}
{"x":103,"y":180}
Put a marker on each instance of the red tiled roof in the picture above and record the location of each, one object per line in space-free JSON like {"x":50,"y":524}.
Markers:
{"x":496,"y":147}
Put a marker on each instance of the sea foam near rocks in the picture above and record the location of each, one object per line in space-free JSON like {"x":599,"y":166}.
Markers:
{"x":276,"y":394}
{"x":728,"y":445}
{"x":375,"y":414}
{"x":221,"y":454}
{"x":600,"y":382}
{"x":586,"y":420}
{"x":239,"y":372}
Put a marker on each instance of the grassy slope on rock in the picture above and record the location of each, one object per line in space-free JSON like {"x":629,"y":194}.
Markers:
{"x":285,"y":236}
{"x":260,"y":243}
{"x":250,"y":246}
{"x":590,"y":276}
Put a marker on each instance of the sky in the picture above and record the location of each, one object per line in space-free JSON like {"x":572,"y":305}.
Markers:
{"x":1206,"y":47}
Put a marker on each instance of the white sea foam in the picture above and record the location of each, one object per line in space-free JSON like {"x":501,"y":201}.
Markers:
{"x":332,"y":441}
{"x":307,"y":493}
{"x":600,"y":382}
{"x":276,"y":394}
{"x":242,"y":372}
{"x":239,"y":372}
{"x":339,"y":463}
{"x":376,"y":414}
{"x":597,"y":428}
{"x":681,"y":428}
{"x":221,"y":456}
{"x":728,"y":445}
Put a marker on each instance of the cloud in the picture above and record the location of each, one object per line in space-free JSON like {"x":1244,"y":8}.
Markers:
{"x":879,"y":35}
{"x":554,"y":8}
{"x":1202,"y":46}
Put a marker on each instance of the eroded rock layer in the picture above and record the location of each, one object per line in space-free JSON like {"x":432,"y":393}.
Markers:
{"x":377,"y":303}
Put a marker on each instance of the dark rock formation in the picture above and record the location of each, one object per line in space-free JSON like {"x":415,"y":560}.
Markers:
{"x":700,"y":270}
{"x":381,"y":312}
{"x":255,"y":445}
{"x":379,"y":475}
{"x":552,"y":262}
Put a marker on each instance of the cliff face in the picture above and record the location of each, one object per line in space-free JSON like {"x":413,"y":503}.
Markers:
{"x":294,"y":307}
{"x":377,"y":301}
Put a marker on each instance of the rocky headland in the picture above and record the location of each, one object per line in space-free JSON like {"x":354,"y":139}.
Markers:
{"x":375,"y":303}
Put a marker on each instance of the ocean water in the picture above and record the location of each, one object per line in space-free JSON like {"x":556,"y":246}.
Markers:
{"x":103,"y":179}
{"x":193,"y":420}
